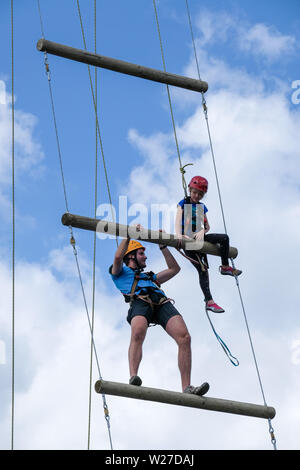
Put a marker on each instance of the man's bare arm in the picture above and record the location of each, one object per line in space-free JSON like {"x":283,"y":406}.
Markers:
{"x":119,"y":255}
{"x":173,"y":267}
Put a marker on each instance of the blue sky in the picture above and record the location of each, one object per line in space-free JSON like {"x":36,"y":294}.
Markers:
{"x":248,"y":52}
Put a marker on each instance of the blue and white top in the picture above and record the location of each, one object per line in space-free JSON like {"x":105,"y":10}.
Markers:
{"x":192,"y":216}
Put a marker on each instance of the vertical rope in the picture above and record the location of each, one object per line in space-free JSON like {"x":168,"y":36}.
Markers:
{"x":170,"y":102}
{"x":97,"y":120}
{"x":95,"y":237}
{"x":204,"y":105}
{"x":271,"y":430}
{"x":105,"y":407}
{"x":53,"y":110}
{"x":13,"y":226}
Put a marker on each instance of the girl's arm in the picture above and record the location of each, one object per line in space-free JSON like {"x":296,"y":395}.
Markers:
{"x":206,"y":224}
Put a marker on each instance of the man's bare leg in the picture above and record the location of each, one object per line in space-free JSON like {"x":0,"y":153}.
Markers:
{"x":177,"y":329}
{"x":139,"y":327}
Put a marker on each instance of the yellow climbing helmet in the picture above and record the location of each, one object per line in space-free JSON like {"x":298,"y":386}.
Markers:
{"x":133,"y":245}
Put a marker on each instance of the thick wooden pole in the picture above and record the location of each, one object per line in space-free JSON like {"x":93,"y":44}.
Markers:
{"x":147,"y":235}
{"x":116,"y":65}
{"x":184,"y":399}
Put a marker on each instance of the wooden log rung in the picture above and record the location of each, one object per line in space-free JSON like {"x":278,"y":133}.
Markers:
{"x":121,"y":66}
{"x":184,"y":399}
{"x":146,"y":235}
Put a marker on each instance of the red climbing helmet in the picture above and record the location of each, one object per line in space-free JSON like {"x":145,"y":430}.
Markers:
{"x":200,"y":183}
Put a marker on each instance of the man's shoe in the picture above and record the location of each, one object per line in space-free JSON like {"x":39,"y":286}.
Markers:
{"x":214,"y":308}
{"x":201,"y":390}
{"x":135,"y":380}
{"x":229,"y":271}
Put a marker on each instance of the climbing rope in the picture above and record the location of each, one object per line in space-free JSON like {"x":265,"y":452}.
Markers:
{"x":105,"y":407}
{"x":96,"y":116}
{"x":94,"y":97}
{"x":225,"y":348}
{"x":13,"y":226}
{"x":53,"y":110}
{"x":95,"y":235}
{"x":181,"y":167}
{"x":205,"y":111}
{"x":72,"y":239}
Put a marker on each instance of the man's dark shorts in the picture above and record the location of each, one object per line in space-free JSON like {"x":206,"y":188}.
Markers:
{"x":160,"y":315}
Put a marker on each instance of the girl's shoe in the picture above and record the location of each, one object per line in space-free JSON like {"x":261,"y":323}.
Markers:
{"x":214,"y":308}
{"x":229,"y":271}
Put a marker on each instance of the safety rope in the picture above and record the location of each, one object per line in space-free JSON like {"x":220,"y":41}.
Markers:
{"x":181,"y":168}
{"x":53,"y":110}
{"x":205,"y":111}
{"x":72,"y":239}
{"x":225,"y":348}
{"x":96,"y":116}
{"x":105,"y":407}
{"x":13,"y":226}
{"x":95,"y":236}
{"x":94,"y":97}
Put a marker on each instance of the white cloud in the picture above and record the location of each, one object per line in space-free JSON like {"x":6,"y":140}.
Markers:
{"x":28,"y":153}
{"x":158,"y":153}
{"x":260,"y":39}
{"x":267,"y":41}
{"x":220,"y":75}
{"x":214,"y":27}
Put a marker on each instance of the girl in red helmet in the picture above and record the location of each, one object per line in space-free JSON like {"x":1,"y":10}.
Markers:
{"x":192,"y":222}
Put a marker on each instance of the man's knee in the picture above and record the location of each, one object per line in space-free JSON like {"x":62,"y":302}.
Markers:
{"x":139,"y":327}
{"x":176,"y":327}
{"x":138,"y":335}
{"x":185,"y":338}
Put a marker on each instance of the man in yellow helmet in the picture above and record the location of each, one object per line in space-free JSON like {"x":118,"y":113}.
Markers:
{"x":149,"y":305}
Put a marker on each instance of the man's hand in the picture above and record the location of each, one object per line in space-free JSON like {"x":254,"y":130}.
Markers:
{"x":162,"y":245}
{"x":173,"y":266}
{"x":134,"y":229}
{"x":119,"y":255}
